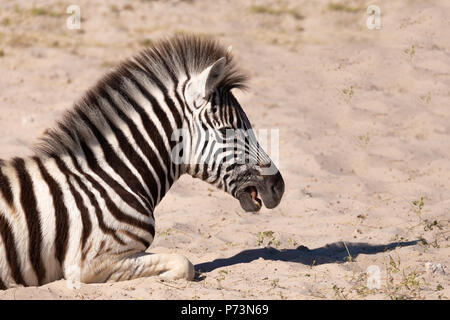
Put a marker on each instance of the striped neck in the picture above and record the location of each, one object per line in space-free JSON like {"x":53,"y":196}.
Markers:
{"x":122,"y":128}
{"x":122,"y":135}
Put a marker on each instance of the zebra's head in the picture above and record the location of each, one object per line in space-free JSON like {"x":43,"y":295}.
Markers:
{"x":222,"y":148}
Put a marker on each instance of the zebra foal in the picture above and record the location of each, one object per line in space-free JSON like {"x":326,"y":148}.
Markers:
{"x":81,"y":208}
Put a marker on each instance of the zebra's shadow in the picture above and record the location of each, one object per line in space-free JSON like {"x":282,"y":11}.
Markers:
{"x":331,"y":253}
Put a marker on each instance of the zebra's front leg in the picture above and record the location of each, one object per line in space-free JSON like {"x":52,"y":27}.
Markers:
{"x":164,"y":265}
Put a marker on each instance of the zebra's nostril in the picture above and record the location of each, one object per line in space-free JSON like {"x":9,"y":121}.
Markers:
{"x":277,"y":186}
{"x":273,"y":191}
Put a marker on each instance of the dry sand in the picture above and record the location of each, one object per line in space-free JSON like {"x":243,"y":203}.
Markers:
{"x":364,"y":124}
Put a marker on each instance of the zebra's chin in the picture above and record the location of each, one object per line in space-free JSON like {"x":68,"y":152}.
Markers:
{"x":248,"y":198}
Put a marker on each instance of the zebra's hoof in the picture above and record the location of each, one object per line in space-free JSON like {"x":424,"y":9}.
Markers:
{"x":182,"y":269}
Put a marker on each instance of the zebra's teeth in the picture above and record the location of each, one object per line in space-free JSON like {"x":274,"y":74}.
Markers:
{"x":254,"y":194}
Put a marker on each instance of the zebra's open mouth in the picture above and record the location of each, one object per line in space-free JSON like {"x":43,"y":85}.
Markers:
{"x":249,"y":200}
{"x":269,"y":187}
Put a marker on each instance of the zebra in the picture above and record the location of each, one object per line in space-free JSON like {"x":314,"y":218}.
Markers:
{"x":81,"y":206}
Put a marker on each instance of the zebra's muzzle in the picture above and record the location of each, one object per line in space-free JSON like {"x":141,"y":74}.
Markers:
{"x":269,"y":188}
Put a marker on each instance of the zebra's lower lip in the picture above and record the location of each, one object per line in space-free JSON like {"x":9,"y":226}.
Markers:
{"x":249,"y":200}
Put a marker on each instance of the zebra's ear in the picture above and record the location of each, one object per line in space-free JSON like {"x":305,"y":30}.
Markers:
{"x":213,"y":75}
{"x":206,"y":82}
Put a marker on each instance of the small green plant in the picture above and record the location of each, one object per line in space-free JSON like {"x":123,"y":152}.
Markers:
{"x":220,"y":278}
{"x":402,"y":284}
{"x":348,"y":93}
{"x":267,"y":235}
{"x":5,"y":22}
{"x":282,"y":297}
{"x":349,"y":257}
{"x":394,"y":266}
{"x":292,"y":242}
{"x":426,"y":97}
{"x":333,"y":6}
{"x":397,"y":238}
{"x":165,"y":233}
{"x":36,"y":11}
{"x":364,"y":139}
{"x":339,"y":292}
{"x":274,"y":283}
{"x":222,"y":274}
{"x":418,"y":205}
{"x":260,"y":9}
{"x":410,"y":52}
{"x":429,"y":225}
{"x":410,"y":280}
{"x":114,"y":9}
{"x":423,"y":242}
{"x":360,"y":285}
{"x":434,"y":243}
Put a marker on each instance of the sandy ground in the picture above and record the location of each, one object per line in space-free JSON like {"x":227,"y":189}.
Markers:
{"x":364,"y":125}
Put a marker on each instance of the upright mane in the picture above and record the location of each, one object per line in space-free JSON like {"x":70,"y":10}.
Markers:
{"x":162,"y":62}
{"x":189,"y":55}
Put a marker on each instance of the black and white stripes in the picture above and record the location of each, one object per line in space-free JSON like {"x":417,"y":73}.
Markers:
{"x":82,"y":206}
